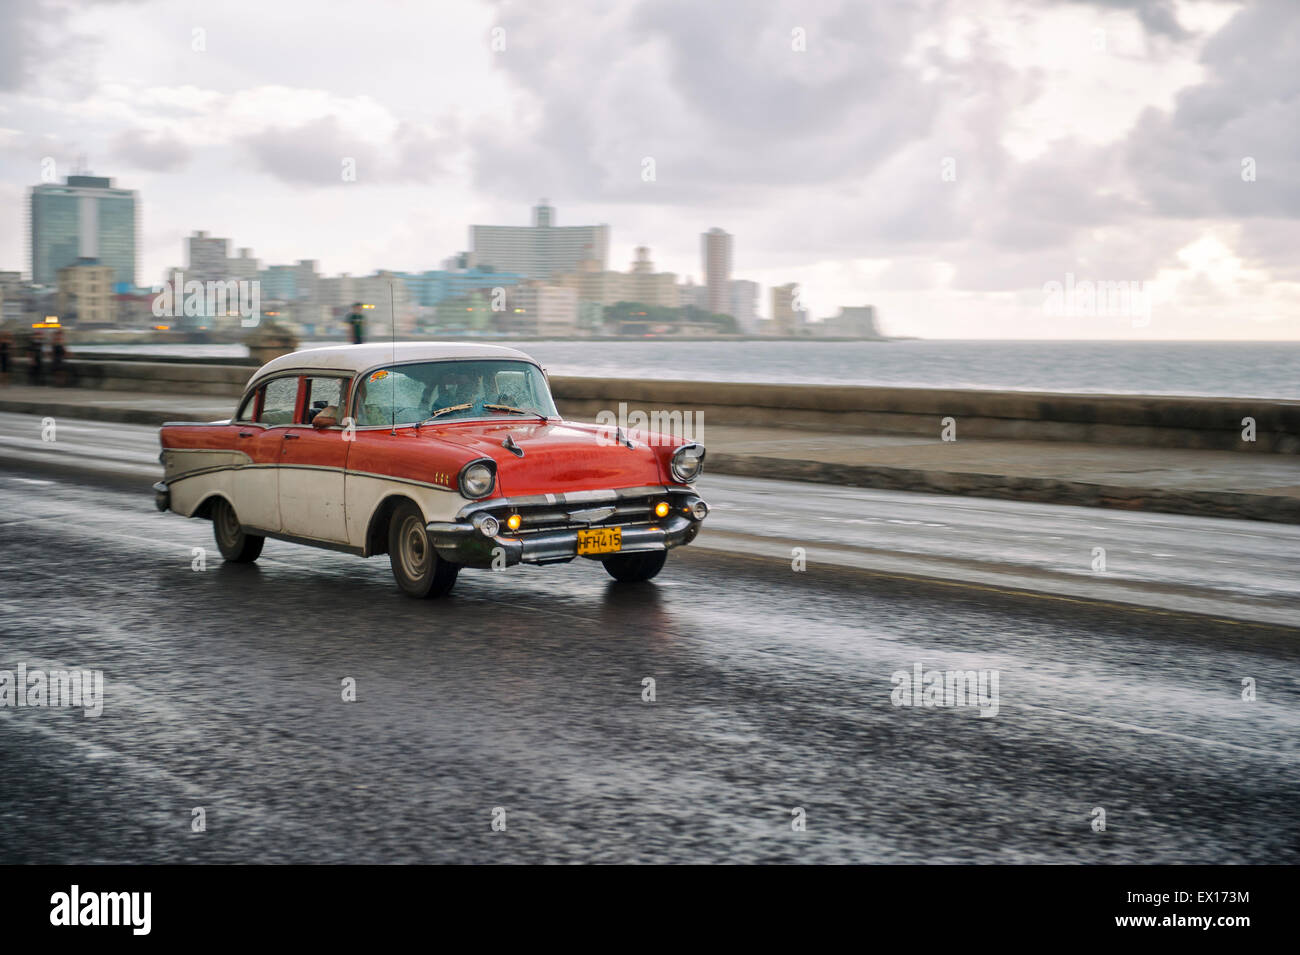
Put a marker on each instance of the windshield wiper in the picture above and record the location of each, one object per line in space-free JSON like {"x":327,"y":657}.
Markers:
{"x":512,"y":410}
{"x":446,"y":410}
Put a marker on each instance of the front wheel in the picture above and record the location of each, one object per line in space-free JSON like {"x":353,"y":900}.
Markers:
{"x":235,"y":546}
{"x":631,"y":568}
{"x":418,"y":569}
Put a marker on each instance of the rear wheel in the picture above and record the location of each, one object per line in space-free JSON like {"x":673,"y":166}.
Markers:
{"x":631,"y":568}
{"x":235,"y":546}
{"x":417,"y":568}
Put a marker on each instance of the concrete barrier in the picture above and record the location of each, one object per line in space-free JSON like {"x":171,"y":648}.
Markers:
{"x":1134,"y":420}
{"x":1139,"y":420}
{"x":184,"y":378}
{"x":1243,"y":505}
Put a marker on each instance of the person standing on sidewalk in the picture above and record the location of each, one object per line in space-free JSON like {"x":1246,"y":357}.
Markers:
{"x":6,"y":346}
{"x":35,"y":349}
{"x":58,"y":353}
{"x":357,"y":321}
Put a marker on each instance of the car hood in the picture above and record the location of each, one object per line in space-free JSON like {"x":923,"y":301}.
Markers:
{"x":557,"y":456}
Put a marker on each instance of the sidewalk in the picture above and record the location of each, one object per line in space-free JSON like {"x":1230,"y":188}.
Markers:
{"x":124,"y":407}
{"x":1253,"y":485}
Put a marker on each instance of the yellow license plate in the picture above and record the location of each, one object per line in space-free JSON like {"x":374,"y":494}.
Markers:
{"x":601,"y":540}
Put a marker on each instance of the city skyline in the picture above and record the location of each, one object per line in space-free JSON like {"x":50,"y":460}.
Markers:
{"x":542,"y":251}
{"x":990,"y":152}
{"x":572,"y":272}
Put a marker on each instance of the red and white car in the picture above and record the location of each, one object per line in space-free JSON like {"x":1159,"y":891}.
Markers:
{"x":443,"y":456}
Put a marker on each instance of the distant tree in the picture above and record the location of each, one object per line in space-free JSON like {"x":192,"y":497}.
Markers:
{"x":727,"y":324}
{"x":639,"y":312}
{"x":642,"y":312}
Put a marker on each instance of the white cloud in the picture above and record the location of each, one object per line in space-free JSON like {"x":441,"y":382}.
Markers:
{"x":825,"y":163}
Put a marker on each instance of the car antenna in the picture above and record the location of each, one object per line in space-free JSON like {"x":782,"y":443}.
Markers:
{"x":392,"y":381}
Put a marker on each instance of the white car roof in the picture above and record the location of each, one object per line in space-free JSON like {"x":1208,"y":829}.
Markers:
{"x":356,"y":358}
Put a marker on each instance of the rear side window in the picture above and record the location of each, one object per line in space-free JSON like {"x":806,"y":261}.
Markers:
{"x":279,"y":402}
{"x":324,"y":393}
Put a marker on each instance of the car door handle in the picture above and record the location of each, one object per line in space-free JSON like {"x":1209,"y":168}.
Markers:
{"x":291,"y":434}
{"x":245,"y":434}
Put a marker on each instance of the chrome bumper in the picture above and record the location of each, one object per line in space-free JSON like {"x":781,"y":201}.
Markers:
{"x":162,"y":496}
{"x":461,"y":542}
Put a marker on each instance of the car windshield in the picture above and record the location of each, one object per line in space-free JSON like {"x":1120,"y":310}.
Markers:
{"x":448,"y":390}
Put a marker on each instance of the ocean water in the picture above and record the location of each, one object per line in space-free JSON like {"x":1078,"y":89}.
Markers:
{"x":1230,"y":369}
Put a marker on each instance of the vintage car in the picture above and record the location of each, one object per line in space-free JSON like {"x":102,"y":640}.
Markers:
{"x":443,"y":456}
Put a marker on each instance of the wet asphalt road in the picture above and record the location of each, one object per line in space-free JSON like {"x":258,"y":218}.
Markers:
{"x":524,"y":691}
{"x":1228,"y":568}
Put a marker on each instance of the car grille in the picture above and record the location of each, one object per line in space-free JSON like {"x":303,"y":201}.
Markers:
{"x":545,"y":517}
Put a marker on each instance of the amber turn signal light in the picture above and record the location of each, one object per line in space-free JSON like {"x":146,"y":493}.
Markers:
{"x":661,"y":509}
{"x":513,"y":522}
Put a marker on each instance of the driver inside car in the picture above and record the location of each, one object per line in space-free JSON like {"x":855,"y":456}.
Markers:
{"x":460,"y":386}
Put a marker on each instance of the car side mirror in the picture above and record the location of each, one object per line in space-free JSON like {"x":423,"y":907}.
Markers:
{"x":326,"y":418}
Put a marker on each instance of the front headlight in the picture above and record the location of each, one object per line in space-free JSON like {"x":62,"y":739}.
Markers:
{"x":477,"y":479}
{"x":688,"y":462}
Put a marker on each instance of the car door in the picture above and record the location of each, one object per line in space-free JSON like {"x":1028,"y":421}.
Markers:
{"x":259,"y":434}
{"x":312,"y":465}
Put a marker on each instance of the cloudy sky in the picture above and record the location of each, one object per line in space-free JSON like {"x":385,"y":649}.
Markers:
{"x":941,"y":159}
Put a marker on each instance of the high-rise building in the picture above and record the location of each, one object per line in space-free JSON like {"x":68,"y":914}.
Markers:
{"x":208,"y":258}
{"x":83,"y":218}
{"x":785,"y":319}
{"x":715,"y":247}
{"x":540,"y":250}
{"x":244,"y":267}
{"x":744,"y":305}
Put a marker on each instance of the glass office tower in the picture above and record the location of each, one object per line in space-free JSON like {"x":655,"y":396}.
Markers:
{"x":83,"y":218}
